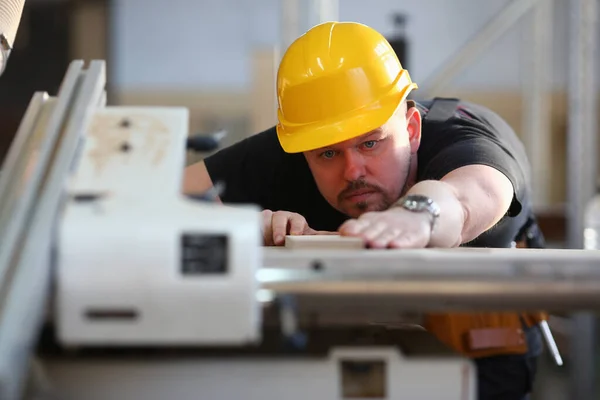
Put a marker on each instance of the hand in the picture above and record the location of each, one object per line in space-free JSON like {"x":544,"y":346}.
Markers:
{"x":393,"y":228}
{"x":276,"y":225}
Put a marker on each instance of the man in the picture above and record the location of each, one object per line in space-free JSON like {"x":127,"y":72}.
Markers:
{"x":351,"y":155}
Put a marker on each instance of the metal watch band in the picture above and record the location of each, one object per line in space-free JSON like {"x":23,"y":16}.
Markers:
{"x":4,"y":52}
{"x":420,"y":203}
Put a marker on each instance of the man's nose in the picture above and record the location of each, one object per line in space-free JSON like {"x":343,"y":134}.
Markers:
{"x":354,"y":167}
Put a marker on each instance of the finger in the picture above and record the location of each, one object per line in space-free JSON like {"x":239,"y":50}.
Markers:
{"x":408,"y":241}
{"x":385,"y":238}
{"x":267,"y":216}
{"x":371,"y":231}
{"x":297,"y":224}
{"x":279,"y":226}
{"x":309,"y":231}
{"x":353,"y":227}
{"x":313,"y":232}
{"x":365,"y":228}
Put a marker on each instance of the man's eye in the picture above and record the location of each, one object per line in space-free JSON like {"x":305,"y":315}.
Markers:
{"x":328,"y":154}
{"x":370,"y":144}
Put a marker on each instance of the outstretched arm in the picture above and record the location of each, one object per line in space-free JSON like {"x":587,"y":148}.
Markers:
{"x":472,"y":199}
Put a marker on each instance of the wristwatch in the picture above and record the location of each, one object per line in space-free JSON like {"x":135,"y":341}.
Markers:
{"x":420,"y":203}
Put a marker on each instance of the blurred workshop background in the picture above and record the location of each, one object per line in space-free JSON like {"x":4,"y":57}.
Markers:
{"x":526,"y":59}
{"x":219,"y":58}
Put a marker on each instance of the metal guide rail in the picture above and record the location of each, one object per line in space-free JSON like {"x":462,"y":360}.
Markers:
{"x":31,"y":192}
{"x":432,"y":279}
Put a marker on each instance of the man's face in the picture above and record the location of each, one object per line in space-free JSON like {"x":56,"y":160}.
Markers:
{"x":370,"y":172}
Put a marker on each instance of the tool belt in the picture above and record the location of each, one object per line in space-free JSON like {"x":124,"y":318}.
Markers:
{"x":483,"y":334}
{"x":477,"y":335}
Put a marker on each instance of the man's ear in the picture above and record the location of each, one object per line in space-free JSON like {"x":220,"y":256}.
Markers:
{"x":413,"y":127}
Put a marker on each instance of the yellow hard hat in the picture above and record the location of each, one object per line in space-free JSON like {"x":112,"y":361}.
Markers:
{"x":337,"y":81}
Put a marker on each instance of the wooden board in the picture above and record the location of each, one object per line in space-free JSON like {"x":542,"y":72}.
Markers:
{"x":329,"y":242}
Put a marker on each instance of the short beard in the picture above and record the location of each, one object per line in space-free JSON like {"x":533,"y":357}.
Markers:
{"x":386,"y":201}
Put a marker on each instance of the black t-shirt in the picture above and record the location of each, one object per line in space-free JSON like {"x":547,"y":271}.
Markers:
{"x":257,"y":170}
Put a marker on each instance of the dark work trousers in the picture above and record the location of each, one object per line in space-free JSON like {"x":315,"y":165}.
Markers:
{"x":509,"y":377}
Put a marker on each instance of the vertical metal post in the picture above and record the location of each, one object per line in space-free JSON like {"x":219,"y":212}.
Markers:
{"x":582,"y":108}
{"x":537,"y":51}
{"x":290,"y":23}
{"x":322,"y":11}
{"x":581,"y":175}
{"x":298,"y":16}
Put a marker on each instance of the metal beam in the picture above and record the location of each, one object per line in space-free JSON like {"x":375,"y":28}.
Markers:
{"x":537,"y":82}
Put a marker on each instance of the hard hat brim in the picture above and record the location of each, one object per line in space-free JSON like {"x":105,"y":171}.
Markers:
{"x":313,"y":137}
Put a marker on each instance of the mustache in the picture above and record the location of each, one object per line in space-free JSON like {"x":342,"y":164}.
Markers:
{"x":357,"y":185}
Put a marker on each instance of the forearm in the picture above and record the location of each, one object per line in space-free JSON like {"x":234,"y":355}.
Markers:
{"x":472,"y":199}
{"x":196,"y":180}
{"x":453,"y":219}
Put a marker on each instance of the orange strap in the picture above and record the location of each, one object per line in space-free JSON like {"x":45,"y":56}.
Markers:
{"x":533,"y":319}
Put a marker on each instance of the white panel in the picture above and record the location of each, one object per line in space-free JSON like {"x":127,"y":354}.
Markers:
{"x":183,"y":43}
{"x":263,"y":377}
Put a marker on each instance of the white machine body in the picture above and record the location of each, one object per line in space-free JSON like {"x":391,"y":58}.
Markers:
{"x":344,"y":373}
{"x":137,"y":262}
